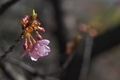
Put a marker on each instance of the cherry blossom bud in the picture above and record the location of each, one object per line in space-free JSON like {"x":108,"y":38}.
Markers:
{"x":39,"y":37}
{"x":26,"y":17}
{"x":25,"y":45}
{"x":30,"y":43}
{"x":41,"y":29}
{"x":34,"y":15}
{"x":32,"y":39}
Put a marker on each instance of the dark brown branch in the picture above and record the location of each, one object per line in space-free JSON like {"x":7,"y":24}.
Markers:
{"x":101,"y":43}
{"x":12,"y":47}
{"x":71,"y":50}
{"x":33,"y":72}
{"x":106,"y":41}
{"x":86,"y":58}
{"x":27,"y":68}
{"x":5,"y":6}
{"x":61,"y":30}
{"x":67,"y":62}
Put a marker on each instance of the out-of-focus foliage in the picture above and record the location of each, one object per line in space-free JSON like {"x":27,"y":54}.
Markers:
{"x":106,"y":19}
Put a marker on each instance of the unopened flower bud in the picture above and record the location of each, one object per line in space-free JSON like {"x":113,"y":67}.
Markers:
{"x":39,"y":37}
{"x":34,"y":15}
{"x":32,"y":39}
{"x":41,"y":29}
{"x":25,"y":17}
{"x":24,"y":21}
{"x":30,"y":44}
{"x":25,"y":45}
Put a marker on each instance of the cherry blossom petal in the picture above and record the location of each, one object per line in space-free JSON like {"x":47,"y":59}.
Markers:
{"x":38,"y":50}
{"x":33,"y":59}
{"x":44,"y":42}
{"x":23,"y":55}
{"x":34,"y":56}
{"x":44,"y":54}
{"x":41,"y":49}
{"x":47,"y":49}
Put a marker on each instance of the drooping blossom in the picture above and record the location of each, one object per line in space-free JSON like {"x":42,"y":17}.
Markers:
{"x":39,"y":49}
{"x":34,"y":47}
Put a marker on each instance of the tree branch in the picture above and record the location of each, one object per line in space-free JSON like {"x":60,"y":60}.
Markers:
{"x":24,"y":66}
{"x":86,"y":58}
{"x":5,"y":6}
{"x":12,"y":47}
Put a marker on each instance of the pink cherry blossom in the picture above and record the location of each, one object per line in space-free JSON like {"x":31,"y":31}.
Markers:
{"x":39,"y":49}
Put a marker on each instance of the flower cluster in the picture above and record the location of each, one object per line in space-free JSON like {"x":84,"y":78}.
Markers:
{"x":34,"y":48}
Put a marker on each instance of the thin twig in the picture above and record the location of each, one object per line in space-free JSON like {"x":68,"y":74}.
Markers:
{"x":33,"y":72}
{"x":75,"y":42}
{"x":86,"y":58}
{"x":61,"y":30}
{"x":65,"y":65}
{"x":12,"y":47}
{"x":5,"y":6}
{"x":68,"y":60}
{"x":26,"y":67}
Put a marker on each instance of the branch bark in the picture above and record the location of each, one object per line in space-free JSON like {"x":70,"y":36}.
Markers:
{"x":5,"y":6}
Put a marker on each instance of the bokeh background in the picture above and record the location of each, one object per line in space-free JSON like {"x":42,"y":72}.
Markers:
{"x":84,"y":35}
